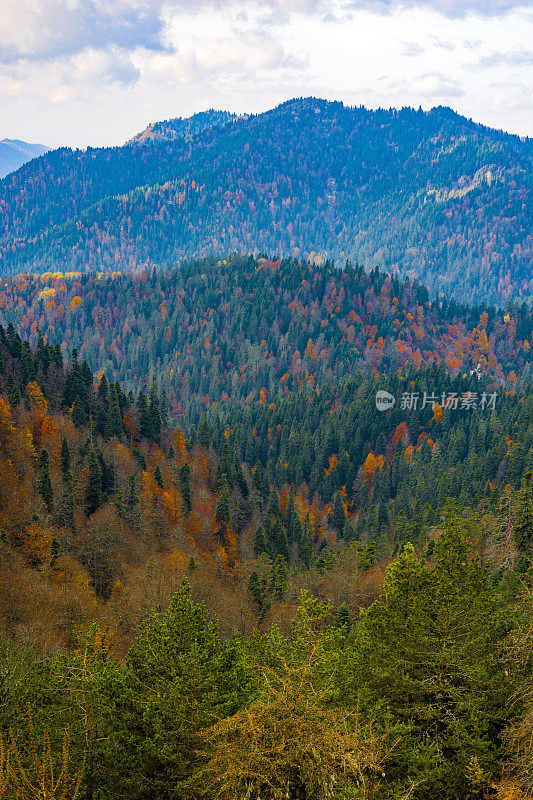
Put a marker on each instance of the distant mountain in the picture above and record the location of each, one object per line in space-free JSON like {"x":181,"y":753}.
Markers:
{"x":14,"y":153}
{"x":176,"y":129}
{"x":420,"y":194}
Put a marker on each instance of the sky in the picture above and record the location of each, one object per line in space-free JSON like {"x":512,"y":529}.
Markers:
{"x":95,"y":72}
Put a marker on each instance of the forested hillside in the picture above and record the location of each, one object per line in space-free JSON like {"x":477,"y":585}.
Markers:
{"x":218,"y":334}
{"x":425,"y":194}
{"x":178,"y":607}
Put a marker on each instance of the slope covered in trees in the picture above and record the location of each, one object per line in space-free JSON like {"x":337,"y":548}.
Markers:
{"x":294,"y":594}
{"x":218,"y":334}
{"x":431,"y":195}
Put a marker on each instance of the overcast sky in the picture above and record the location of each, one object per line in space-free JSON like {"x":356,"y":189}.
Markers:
{"x":94,"y":72}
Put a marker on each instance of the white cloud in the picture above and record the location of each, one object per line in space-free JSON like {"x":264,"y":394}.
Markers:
{"x":433,"y":86}
{"x":36,"y":29}
{"x":511,"y":97}
{"x":512,"y":58}
{"x":96,"y":71}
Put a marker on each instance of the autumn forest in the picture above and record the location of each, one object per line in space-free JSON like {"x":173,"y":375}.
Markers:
{"x":266,"y":518}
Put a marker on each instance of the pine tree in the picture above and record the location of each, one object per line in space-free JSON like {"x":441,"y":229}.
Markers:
{"x":261,"y":544}
{"x":339,"y":515}
{"x":223,"y":514}
{"x":93,"y":494}
{"x":185,"y":486}
{"x":143,"y":415}
{"x":425,"y":650}
{"x":307,"y":543}
{"x":523,"y":516}
{"x":114,"y":415}
{"x":66,"y":504}
{"x":158,"y":477}
{"x":44,"y":484}
{"x":154,"y":412}
{"x":279,"y":578}
{"x":255,"y":589}
{"x":204,"y":435}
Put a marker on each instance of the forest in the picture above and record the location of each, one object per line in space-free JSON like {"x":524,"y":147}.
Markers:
{"x":226,"y":573}
{"x":428,"y":195}
{"x":220,"y":333}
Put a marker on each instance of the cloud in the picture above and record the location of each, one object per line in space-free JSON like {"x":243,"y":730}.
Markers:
{"x":510,"y":97}
{"x":412,"y":49}
{"x":36,"y":29}
{"x":512,"y":58}
{"x":431,"y":86}
{"x":448,"y":8}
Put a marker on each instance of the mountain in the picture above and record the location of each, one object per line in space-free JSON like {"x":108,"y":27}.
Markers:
{"x":14,"y":153}
{"x":425,"y":194}
{"x":182,"y":129}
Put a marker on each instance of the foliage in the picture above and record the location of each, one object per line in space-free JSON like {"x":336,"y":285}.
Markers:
{"x":429,"y":193}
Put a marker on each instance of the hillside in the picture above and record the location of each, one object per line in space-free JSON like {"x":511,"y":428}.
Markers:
{"x":14,"y":153}
{"x":425,"y":194}
{"x":165,"y":595}
{"x":219,"y":333}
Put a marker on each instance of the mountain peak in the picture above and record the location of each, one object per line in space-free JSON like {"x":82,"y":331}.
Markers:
{"x":179,"y":128}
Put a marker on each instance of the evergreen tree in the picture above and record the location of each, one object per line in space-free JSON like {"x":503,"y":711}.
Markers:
{"x":204,"y":435}
{"x":255,"y":589}
{"x":65,"y":457}
{"x":66,"y":504}
{"x":154,"y":412}
{"x":307,"y":543}
{"x":425,"y":650}
{"x":523,"y":516}
{"x":145,"y":426}
{"x":93,"y":494}
{"x":44,"y":484}
{"x":113,"y":426}
{"x":339,"y":515}
{"x":178,"y":678}
{"x":261,"y":543}
{"x":185,"y":486}
{"x":222,"y":513}
{"x":158,"y":477}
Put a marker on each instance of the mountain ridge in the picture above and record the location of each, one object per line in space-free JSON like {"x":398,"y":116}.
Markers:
{"x":14,"y":153}
{"x":426,"y":194}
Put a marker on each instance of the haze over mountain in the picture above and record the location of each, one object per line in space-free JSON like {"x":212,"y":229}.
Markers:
{"x":14,"y":153}
{"x":425,"y":194}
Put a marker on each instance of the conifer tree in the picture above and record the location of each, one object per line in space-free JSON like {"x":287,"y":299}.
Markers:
{"x":204,"y":435}
{"x":442,"y":624}
{"x":339,"y":515}
{"x":307,"y":543}
{"x":223,"y":514}
{"x":154,"y":412}
{"x":44,"y":484}
{"x":114,"y":415}
{"x":158,"y":477}
{"x":523,"y":516}
{"x":93,"y":494}
{"x":185,"y":486}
